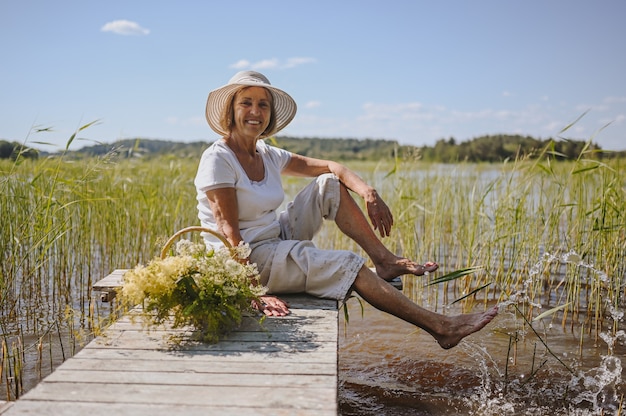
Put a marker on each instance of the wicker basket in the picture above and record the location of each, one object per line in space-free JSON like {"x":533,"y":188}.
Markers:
{"x":173,"y":238}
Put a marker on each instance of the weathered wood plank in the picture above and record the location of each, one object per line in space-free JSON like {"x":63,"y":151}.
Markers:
{"x":270,"y":325}
{"x":149,"y":335}
{"x":109,"y":285}
{"x":142,"y":340}
{"x":111,"y":281}
{"x":202,"y":356}
{"x":190,"y":378}
{"x":307,"y":319}
{"x":253,"y":397}
{"x":173,"y":364}
{"x":115,"y":409}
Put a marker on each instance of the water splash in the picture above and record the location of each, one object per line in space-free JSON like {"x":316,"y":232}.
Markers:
{"x":593,"y":391}
{"x":597,"y":387}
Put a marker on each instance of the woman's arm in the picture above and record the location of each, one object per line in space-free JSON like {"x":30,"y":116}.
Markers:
{"x":223,"y":202}
{"x":378,"y":211}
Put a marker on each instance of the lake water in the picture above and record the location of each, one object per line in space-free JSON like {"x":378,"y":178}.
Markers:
{"x":387,"y":367}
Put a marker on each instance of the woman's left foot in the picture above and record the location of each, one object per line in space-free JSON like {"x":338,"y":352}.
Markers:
{"x":459,"y":326}
{"x":402,"y":266}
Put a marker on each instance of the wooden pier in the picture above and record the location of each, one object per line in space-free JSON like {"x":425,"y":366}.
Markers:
{"x":286,"y":366}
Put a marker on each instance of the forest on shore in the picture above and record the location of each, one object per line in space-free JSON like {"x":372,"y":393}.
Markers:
{"x":489,"y":148}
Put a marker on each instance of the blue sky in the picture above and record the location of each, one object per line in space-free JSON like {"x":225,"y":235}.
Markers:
{"x":413,"y":71}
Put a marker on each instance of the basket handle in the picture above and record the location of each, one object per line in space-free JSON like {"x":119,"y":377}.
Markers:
{"x":169,"y":242}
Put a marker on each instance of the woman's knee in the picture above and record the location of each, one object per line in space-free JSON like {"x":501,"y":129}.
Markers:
{"x":327,"y":179}
{"x":329,"y":188}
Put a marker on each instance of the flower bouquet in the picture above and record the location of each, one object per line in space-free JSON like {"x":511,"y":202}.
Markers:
{"x":206,"y":289}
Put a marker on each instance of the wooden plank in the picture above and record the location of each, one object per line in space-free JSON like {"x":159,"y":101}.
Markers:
{"x":321,"y":328}
{"x":201,"y":356}
{"x":115,"y":409}
{"x":5,"y":405}
{"x":142,"y":340}
{"x":190,"y":378}
{"x":304,"y":319}
{"x":287,"y":334}
{"x":172,"y":364}
{"x":284,"y":324}
{"x":109,"y":285}
{"x":165,"y":337}
{"x":112,"y":281}
{"x":277,"y":397}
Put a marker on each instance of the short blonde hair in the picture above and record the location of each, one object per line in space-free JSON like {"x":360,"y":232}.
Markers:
{"x":227,"y":117}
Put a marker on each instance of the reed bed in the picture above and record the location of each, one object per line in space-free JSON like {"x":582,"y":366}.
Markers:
{"x":67,"y":223}
{"x":552,"y":233}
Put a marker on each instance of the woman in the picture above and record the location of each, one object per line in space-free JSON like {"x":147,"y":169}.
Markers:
{"x":239,"y":190}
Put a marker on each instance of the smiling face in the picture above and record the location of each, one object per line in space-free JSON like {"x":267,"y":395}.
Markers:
{"x":251,"y":112}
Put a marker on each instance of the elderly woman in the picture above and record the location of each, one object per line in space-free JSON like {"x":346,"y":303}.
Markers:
{"x":239,"y":191}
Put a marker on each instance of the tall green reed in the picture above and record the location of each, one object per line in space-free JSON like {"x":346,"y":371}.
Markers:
{"x":504,"y":218}
{"x":67,"y":223}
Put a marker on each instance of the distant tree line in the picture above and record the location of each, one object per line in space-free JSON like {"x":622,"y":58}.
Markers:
{"x":143,"y":148}
{"x":491,"y":148}
{"x":342,"y":149}
{"x":13,"y":150}
{"x":497,"y":148}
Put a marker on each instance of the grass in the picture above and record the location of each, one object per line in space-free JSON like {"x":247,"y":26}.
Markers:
{"x":552,"y":231}
{"x":66,"y":224}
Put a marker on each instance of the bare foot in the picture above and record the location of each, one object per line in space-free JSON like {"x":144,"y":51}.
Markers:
{"x":455,"y":328}
{"x":399,"y":266}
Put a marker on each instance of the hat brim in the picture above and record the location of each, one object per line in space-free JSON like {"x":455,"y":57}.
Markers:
{"x":284,"y":106}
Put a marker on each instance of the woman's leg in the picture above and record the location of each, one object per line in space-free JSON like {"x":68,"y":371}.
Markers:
{"x":448,"y":331}
{"x":327,"y":198}
{"x":352,"y":222}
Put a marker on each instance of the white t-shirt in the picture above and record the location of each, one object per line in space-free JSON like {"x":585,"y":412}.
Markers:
{"x":257,"y":201}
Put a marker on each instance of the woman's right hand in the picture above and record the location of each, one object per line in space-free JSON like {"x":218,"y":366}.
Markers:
{"x":379,"y":213}
{"x":271,"y":306}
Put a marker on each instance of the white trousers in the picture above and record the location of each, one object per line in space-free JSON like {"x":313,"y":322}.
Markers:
{"x":292,"y":263}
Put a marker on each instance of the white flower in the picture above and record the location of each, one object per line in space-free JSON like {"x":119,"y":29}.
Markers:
{"x":213,"y":301}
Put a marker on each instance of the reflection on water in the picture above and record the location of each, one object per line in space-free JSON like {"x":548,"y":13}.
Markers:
{"x":386,"y":367}
{"x":27,"y":358}
{"x":40,"y":357}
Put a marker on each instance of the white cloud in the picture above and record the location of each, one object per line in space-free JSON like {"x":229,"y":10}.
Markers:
{"x":266,"y":64}
{"x":272,"y":63}
{"x":124,"y":27}
{"x":241,"y":64}
{"x":312,"y":104}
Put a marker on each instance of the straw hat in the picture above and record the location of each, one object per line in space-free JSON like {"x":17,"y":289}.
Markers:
{"x":284,"y":106}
